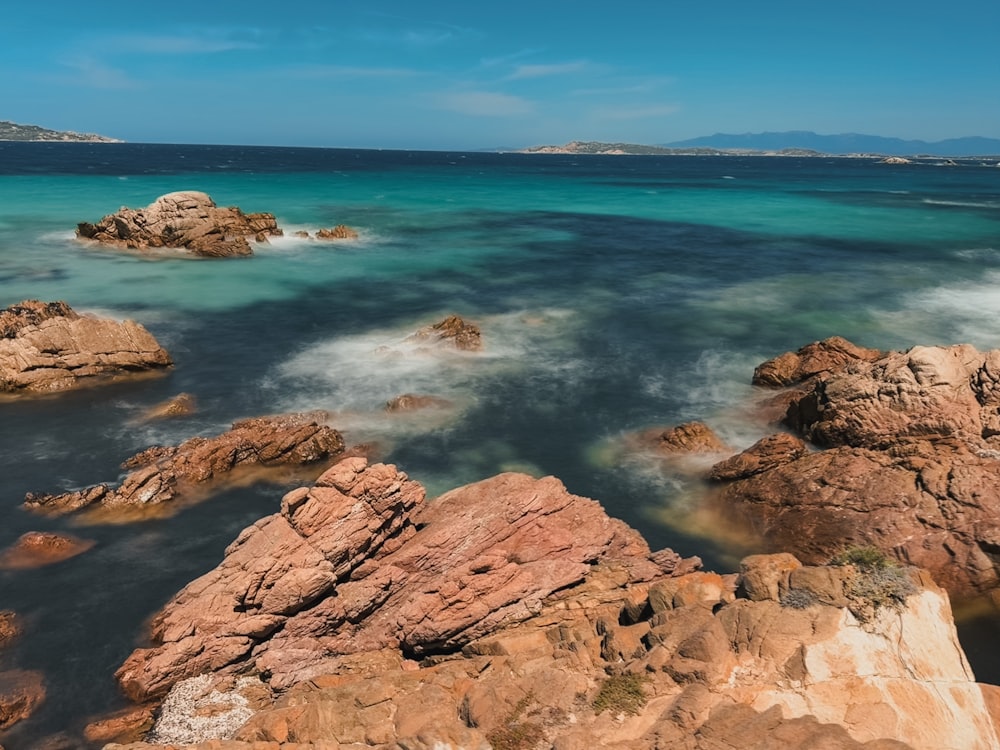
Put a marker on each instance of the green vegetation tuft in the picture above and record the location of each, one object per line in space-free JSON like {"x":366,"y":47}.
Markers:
{"x":880,"y":581}
{"x":515,"y":734}
{"x":621,"y":693}
{"x":798,"y":599}
{"x":864,"y":558}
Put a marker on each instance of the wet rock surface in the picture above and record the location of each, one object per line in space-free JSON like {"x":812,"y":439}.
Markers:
{"x":162,"y":474}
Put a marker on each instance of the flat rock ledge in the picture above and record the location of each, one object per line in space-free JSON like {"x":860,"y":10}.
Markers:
{"x":48,"y":347}
{"x":186,"y":219}
{"x":166,"y":473}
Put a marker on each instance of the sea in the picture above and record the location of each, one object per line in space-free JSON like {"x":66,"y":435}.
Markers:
{"x":614,"y":293}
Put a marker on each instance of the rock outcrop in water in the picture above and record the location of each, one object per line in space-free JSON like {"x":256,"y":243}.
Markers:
{"x":539,"y":621}
{"x":452,"y":331}
{"x":903,"y":453}
{"x":186,"y":219}
{"x":47,"y":346}
{"x":162,"y":474}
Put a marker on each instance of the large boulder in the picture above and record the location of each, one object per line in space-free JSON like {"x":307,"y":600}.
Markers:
{"x":186,"y":219}
{"x":910,"y":463}
{"x":360,"y":562}
{"x":47,"y":346}
{"x":162,"y":474}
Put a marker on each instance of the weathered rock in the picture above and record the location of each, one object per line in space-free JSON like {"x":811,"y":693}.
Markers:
{"x":830,"y":355}
{"x":452,"y":331}
{"x":127,"y":725}
{"x":162,"y":474}
{"x":708,"y":674}
{"x":186,"y":219}
{"x":911,"y":465}
{"x":415,"y":402}
{"x":21,"y":692}
{"x":46,"y":346}
{"x":764,"y":455}
{"x":339,"y":232}
{"x":38,"y":548}
{"x":359,"y":562}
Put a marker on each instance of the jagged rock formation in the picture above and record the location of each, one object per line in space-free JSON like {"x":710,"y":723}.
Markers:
{"x":339,"y":232}
{"x":909,"y":459}
{"x":47,"y":346}
{"x":770,"y":659}
{"x":162,"y":474}
{"x":359,"y":562}
{"x":185,"y":219}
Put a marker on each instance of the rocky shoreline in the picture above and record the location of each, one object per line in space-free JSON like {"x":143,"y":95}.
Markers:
{"x":512,"y":614}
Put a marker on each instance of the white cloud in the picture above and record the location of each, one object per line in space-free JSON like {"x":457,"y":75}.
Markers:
{"x":484,"y":104}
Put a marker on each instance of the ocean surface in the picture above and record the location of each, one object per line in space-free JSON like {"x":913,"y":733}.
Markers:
{"x":614,"y":294}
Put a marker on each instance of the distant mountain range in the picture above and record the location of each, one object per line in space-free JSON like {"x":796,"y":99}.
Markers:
{"x":843,"y":143}
{"x":11,"y":131}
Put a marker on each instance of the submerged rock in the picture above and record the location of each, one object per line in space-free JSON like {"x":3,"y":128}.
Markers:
{"x":180,"y":405}
{"x":39,"y":548}
{"x":408,"y":402}
{"x":47,"y":347}
{"x":186,"y":219}
{"x":162,"y":474}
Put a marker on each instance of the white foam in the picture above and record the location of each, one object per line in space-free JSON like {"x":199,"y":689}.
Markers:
{"x":354,"y":376}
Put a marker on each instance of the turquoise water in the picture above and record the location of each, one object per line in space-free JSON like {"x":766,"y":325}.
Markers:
{"x":614,"y":294}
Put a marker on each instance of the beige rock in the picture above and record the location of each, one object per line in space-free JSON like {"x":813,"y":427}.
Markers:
{"x":47,"y":347}
{"x":339,"y":232}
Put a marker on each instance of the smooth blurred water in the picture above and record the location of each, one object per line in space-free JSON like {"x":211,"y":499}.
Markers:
{"x":614,"y":294}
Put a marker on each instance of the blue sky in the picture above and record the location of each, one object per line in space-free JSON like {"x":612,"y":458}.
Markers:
{"x":467,"y":75}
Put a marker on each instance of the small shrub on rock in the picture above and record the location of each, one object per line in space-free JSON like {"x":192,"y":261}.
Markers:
{"x":621,"y":693}
{"x":880,"y":581}
{"x":797,"y":599}
{"x":515,"y":733}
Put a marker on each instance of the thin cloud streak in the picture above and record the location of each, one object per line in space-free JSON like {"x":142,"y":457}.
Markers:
{"x":484,"y":104}
{"x":179,"y":45}
{"x":543,"y":71}
{"x":91,"y":73}
{"x":639,"y":113}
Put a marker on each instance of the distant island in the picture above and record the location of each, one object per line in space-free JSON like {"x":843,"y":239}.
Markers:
{"x":790,"y":143}
{"x":11,"y":131}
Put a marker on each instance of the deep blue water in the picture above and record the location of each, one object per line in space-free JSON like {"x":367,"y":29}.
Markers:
{"x":614,"y":294}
